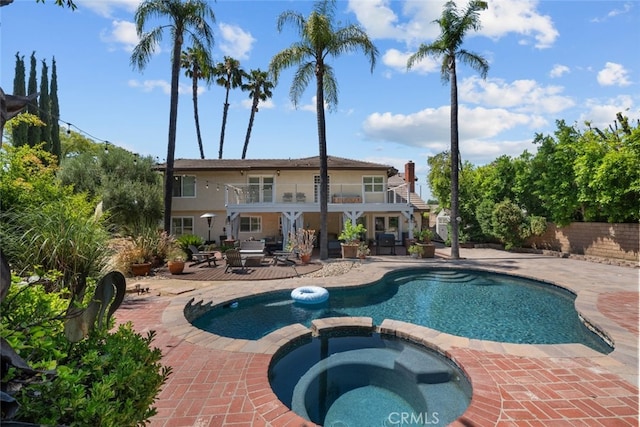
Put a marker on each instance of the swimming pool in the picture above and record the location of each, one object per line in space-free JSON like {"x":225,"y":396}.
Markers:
{"x":469,"y":303}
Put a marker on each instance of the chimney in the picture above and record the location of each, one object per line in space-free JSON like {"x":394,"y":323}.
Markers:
{"x":410,"y":175}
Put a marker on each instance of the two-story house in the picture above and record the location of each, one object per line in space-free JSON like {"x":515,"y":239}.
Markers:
{"x":267,"y":198}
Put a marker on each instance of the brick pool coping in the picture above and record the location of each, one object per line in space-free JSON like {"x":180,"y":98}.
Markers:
{"x":511,"y":382}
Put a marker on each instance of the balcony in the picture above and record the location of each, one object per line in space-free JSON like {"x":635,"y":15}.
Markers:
{"x":309,"y":194}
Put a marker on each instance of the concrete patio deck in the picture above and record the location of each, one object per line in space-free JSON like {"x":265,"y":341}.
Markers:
{"x":218,"y":381}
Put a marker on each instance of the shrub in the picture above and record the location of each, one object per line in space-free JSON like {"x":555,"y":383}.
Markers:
{"x":189,"y":239}
{"x":110,"y":378}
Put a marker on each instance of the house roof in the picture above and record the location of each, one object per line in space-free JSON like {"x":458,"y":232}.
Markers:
{"x":401,"y":190}
{"x":312,"y":163}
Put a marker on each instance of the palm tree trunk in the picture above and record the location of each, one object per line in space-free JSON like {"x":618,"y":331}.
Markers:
{"x":254,"y":108}
{"x":224,"y":122}
{"x":171,"y":145}
{"x":455,"y":159}
{"x":324,"y":172}
{"x":194,"y":88}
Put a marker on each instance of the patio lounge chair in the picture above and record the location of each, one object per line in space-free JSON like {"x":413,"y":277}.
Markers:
{"x":200,"y":257}
{"x":234,"y":261}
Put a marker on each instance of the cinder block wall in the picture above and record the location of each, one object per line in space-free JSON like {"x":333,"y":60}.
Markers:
{"x":616,"y":241}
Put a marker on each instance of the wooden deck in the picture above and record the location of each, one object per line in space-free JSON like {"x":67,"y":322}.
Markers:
{"x":266,"y":271}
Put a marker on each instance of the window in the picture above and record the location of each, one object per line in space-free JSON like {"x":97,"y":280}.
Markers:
{"x":373,"y":184}
{"x":184,"y":186}
{"x":251,"y":224}
{"x":260,"y":189}
{"x":316,"y":187}
{"x":181,"y":225}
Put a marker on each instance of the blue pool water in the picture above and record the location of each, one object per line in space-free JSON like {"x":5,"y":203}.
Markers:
{"x":467,"y":303}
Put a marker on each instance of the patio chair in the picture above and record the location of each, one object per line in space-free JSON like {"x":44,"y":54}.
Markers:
{"x":201,"y":257}
{"x":234,"y":261}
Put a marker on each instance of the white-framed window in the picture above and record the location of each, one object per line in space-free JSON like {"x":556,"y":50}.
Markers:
{"x":181,"y":225}
{"x":373,"y":184}
{"x":260,"y":189}
{"x":251,"y":224}
{"x":184,"y":186}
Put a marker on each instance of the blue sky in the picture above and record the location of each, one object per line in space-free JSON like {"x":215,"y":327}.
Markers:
{"x":549,"y":60}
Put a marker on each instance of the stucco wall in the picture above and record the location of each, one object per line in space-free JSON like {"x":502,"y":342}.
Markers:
{"x":616,"y":241}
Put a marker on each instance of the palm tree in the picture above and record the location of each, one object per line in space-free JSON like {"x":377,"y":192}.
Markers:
{"x":185,"y":18}
{"x":230,"y":76}
{"x":319,"y":40}
{"x":447,"y":46}
{"x":197,"y":65}
{"x":259,"y":87}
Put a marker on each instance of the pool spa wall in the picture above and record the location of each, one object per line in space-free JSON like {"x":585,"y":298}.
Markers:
{"x":349,"y":364}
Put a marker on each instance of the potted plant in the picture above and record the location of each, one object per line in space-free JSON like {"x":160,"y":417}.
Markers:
{"x":350,"y":237}
{"x":176,"y":261}
{"x":363,"y":250}
{"x":302,"y":242}
{"x":425,"y":235}
{"x":415,"y":250}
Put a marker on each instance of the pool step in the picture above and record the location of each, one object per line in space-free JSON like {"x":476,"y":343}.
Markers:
{"x":422,"y":368}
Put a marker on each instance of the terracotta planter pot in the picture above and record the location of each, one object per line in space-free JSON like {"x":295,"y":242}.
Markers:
{"x":349,"y":250}
{"x":175,"y":267}
{"x":305,"y":258}
{"x":143,"y":269}
{"x":428,"y":250}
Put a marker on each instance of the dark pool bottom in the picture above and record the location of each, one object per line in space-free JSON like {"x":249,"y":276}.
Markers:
{"x":368,"y":379}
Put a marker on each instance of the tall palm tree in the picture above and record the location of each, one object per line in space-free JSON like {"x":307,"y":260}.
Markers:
{"x":185,"y":19}
{"x":230,"y":76}
{"x":259,"y":87}
{"x":197,"y":65}
{"x":319,"y":40}
{"x":454,"y":26}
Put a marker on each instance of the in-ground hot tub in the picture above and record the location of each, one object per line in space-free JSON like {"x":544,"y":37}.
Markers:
{"x":362,"y":378}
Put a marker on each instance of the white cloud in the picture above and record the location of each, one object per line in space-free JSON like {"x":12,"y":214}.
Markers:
{"x":413,"y":23}
{"x":613,"y":75}
{"x":521,"y":95}
{"x":236,"y":42}
{"x":601,"y":113}
{"x":558,"y":71}
{"x":397,"y":60}
{"x":106,"y":8}
{"x":122,"y":35}
{"x":163,"y":85}
{"x":519,"y":17}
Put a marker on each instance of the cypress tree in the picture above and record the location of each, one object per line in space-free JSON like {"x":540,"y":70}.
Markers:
{"x":45,"y":107}
{"x":56,"y":148}
{"x":19,"y":134}
{"x":33,"y":137}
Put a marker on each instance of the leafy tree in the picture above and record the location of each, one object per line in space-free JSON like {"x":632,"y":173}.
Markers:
{"x":556,"y":186}
{"x":230,"y":76}
{"x":197,"y":65}
{"x":319,"y":39}
{"x":185,"y":19}
{"x":128,"y":188}
{"x":44,"y":105}
{"x":507,"y":221}
{"x":56,"y":148}
{"x":259,"y":87}
{"x":27,"y":178}
{"x":454,"y":26}
{"x":20,"y":131}
{"x":33,"y":137}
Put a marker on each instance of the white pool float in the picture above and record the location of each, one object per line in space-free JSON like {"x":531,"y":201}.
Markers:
{"x":310,"y":294}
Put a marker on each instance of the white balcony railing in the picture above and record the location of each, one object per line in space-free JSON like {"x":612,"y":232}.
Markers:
{"x":270,"y":194}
